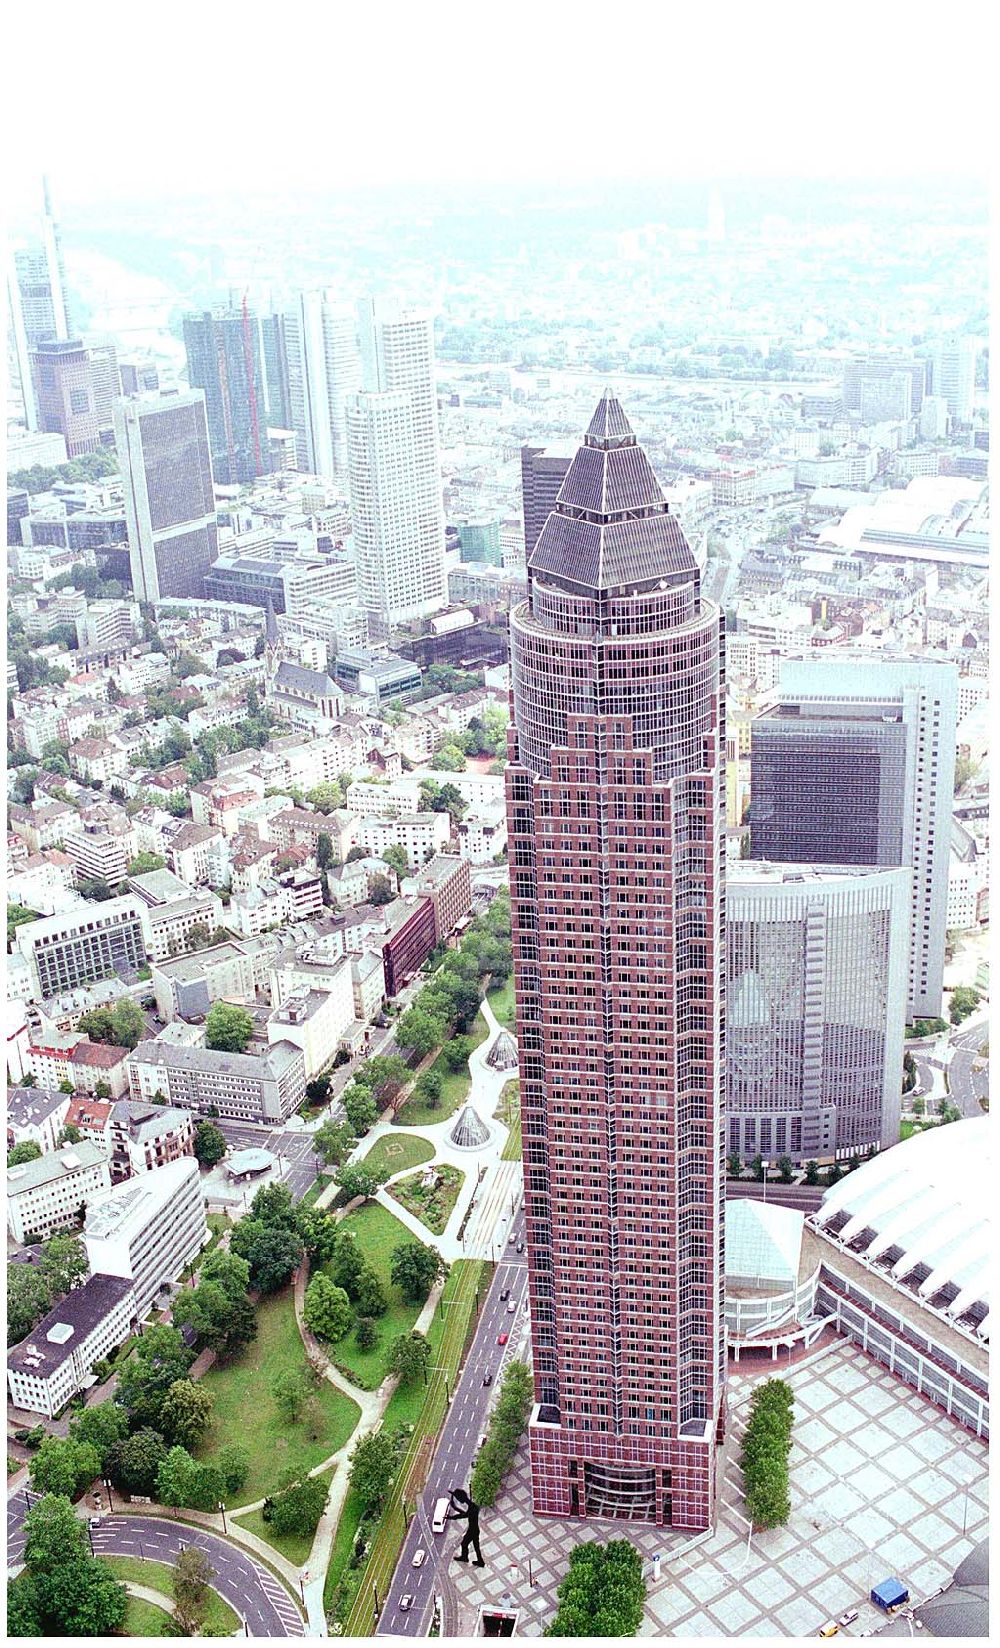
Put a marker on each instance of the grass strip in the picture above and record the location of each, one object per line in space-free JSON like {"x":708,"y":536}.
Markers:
{"x":220,"y":1620}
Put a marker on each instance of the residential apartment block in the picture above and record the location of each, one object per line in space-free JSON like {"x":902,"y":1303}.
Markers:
{"x":56,"y":1360}
{"x":51,"y":1193}
{"x":148,"y":1228}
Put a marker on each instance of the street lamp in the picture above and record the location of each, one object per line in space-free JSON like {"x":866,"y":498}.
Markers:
{"x":763,"y":1168}
{"x":222,"y":1512}
{"x":111,"y":1503}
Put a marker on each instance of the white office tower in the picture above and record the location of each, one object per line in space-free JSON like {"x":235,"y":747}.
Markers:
{"x":323,"y":370}
{"x":54,"y":260}
{"x":394,"y":465}
{"x":955,"y":375}
{"x":163,"y":448}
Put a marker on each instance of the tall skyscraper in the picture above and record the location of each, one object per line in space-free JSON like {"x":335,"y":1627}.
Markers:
{"x":223,"y":357}
{"x":163,"y":450}
{"x":955,"y":375}
{"x":64,"y":394}
{"x":615,"y":805}
{"x":31,"y":269}
{"x":311,"y":368}
{"x":818,"y":968}
{"x":19,"y":350}
{"x":542,"y":474}
{"x":397,"y":359}
{"x":854,"y":763}
{"x":274,"y":358}
{"x":106,"y":385}
{"x":56,"y":267}
{"x":872,"y":368}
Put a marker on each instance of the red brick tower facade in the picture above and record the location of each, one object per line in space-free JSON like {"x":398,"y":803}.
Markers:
{"x":616,"y":844}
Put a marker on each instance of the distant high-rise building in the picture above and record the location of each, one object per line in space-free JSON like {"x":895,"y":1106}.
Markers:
{"x":855,"y":764}
{"x":542,"y":474}
{"x":19,"y":351}
{"x":394,"y":466}
{"x":817,"y":962}
{"x":616,"y":819}
{"x":64,"y":394}
{"x":273,"y":351}
{"x":887,"y":399}
{"x":56,"y":267}
{"x":397,"y":356}
{"x":106,"y":385}
{"x":954,"y":372}
{"x":870,"y":368}
{"x":163,"y":450}
{"x":934,"y":418}
{"x":137,"y":377}
{"x":223,"y":356}
{"x":31,"y":268}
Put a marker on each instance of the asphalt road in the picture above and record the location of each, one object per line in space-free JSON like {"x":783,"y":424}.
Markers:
{"x":968,"y":1086}
{"x":256,"y":1594}
{"x":804,"y":1198}
{"x":465,"y":1423}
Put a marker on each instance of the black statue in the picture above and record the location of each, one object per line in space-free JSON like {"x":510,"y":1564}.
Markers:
{"x":464,"y":1509}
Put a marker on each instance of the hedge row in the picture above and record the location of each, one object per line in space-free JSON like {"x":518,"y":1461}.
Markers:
{"x":510,"y":1417}
{"x":767,"y":1442}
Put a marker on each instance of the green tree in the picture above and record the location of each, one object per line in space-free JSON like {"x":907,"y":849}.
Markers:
{"x":192,"y":1578}
{"x":326,"y":798}
{"x":456,"y":1052}
{"x":54,"y":1535}
{"x":70,"y":1134}
{"x":420,"y":1031}
{"x":409,"y":1356}
{"x":397,"y":860}
{"x":64,"y":1263}
{"x":66,"y":1086}
{"x":357,"y":1180}
{"x":145,"y":864}
{"x":209,"y":1143}
{"x":233,"y":1463}
{"x":812,"y":1173}
{"x":28,"y":1299}
{"x":415,"y":1269}
{"x":159,"y":1358}
{"x":175,"y":1478}
{"x":380,"y":891}
{"x":26,"y":1151}
{"x":64,"y":1465}
{"x":81,"y":1599}
{"x":327,"y":1309}
{"x":298,"y":1509}
{"x":370,"y":1297}
{"x":360,"y":1109}
{"x":785,"y":1171}
{"x":334,"y":1141}
{"x":119,"y":1026}
{"x":428,"y":1088}
{"x":273,"y":1253}
{"x":273,"y":1205}
{"x":963,"y":1002}
{"x":223,"y":1322}
{"x":373,"y":1463}
{"x":318,"y":1233}
{"x":734,"y":1165}
{"x":228,"y":1271}
{"x":603,"y":1592}
{"x":187,"y":1409}
{"x":324,"y":851}
{"x":228,"y":1028}
{"x":133,"y":1462}
{"x":366,"y":1334}
{"x":291,"y":1391}
{"x":102,"y":1425}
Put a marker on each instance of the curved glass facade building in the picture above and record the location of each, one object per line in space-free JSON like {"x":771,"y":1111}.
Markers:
{"x":817,"y":964}
{"x":615,"y":842}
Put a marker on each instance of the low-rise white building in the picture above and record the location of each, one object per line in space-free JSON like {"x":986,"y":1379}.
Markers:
{"x":50,"y":1193}
{"x":482,"y":836}
{"x":35,"y":1115}
{"x":148,"y":1228}
{"x":420,"y":835}
{"x":315,"y":1020}
{"x":56,"y":1360}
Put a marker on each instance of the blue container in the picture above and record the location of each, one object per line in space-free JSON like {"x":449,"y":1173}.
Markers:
{"x":890,"y":1593}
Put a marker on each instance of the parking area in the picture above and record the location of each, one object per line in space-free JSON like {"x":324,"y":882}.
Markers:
{"x":882,"y":1483}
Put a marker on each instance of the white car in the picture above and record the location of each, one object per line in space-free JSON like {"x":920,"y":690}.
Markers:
{"x":511,"y":1306}
{"x":419,"y":1557}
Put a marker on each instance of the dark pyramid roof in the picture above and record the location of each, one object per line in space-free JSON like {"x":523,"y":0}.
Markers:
{"x":611,"y":527}
{"x":609,"y":423}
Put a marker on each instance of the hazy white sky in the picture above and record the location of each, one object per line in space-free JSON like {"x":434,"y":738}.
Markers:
{"x":131,"y":99}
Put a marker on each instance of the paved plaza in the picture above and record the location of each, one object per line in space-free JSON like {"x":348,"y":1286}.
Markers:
{"x":882,"y":1483}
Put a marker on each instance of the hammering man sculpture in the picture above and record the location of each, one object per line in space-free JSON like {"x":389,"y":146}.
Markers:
{"x":464,"y":1509}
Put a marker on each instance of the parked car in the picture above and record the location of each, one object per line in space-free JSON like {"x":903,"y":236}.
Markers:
{"x":419,"y":1557}
{"x":848,"y":1618}
{"x":405,"y":1604}
{"x":502,"y":1338}
{"x":830,"y":1629}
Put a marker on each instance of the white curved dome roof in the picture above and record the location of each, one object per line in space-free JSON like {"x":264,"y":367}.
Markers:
{"x":925,"y":1205}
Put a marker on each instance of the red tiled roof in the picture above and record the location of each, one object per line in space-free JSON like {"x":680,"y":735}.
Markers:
{"x":98,"y":1055}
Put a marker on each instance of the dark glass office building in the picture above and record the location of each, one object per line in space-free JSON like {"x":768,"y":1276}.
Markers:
{"x":223,"y":355}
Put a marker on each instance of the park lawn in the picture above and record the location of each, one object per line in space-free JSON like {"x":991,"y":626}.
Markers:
{"x":316,"y":1189}
{"x":503,"y":1004}
{"x":511,"y":1151}
{"x":407,"y":1401}
{"x":295,"y":1547}
{"x":378,"y":1231}
{"x":455,"y":1086}
{"x":145,"y":1619}
{"x":907,"y":1129}
{"x":433,"y":1206}
{"x":395,"y":1152}
{"x":220,"y":1621}
{"x":245,"y":1412}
